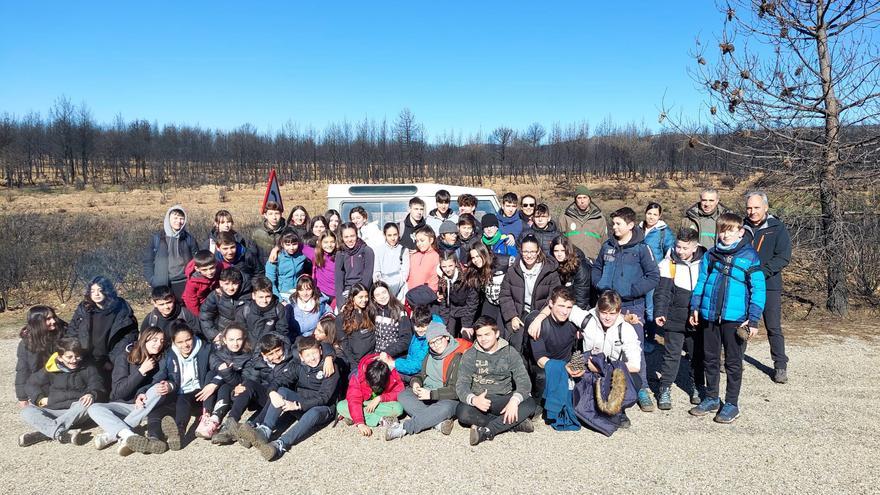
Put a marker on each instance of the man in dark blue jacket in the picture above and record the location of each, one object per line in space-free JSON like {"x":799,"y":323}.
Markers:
{"x":626,"y":265}
{"x":771,"y":240}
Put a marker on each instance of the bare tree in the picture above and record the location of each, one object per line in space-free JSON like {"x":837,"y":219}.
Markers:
{"x":798,"y":84}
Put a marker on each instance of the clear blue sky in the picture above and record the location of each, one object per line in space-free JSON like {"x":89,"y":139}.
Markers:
{"x":459,"y":66}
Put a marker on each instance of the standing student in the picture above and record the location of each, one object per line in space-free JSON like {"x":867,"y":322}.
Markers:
{"x":286,"y":263}
{"x":542,"y":228}
{"x":458,"y":302}
{"x":526,"y":287}
{"x":442,"y":213}
{"x":132,"y":397}
{"x":218,"y":310}
{"x":432,"y":401}
{"x":334,"y":219}
{"x":354,"y":263}
{"x":493,"y":386}
{"x":298,"y":220}
{"x":185,"y":369}
{"x":366,"y":230}
{"x":679,"y":273}
{"x":575,"y":269}
{"x":264,"y":313}
{"x":372,"y":394}
{"x":103,"y":323}
{"x":497,"y":242}
{"x":393,"y":327}
{"x":228,"y":362}
{"x":169,"y":251}
{"x":584,"y":223}
{"x":729,"y":301}
{"x":391,"y":263}
{"x":357,"y":327}
{"x":317,"y":227}
{"x":527,"y":209}
{"x":467,"y":237}
{"x":38,"y":341}
{"x":202,"y":276}
{"x":626,"y":265}
{"x":223,"y":222}
{"x":60,"y":395}
{"x":236,"y":254}
{"x":486,"y":273}
{"x":510,"y":223}
{"x":166,"y":310}
{"x":467,"y":205}
{"x":448,"y":242}
{"x":265,"y":237}
{"x":660,"y":239}
{"x":323,"y":258}
{"x":423,"y":262}
{"x":415,"y":219}
{"x":703,"y":216}
{"x":306,"y":307}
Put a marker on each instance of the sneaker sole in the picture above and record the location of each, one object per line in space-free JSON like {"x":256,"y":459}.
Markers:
{"x":24,"y":441}
{"x":246,"y":436}
{"x":647,"y":409}
{"x":145,"y":445}
{"x":664,"y":407}
{"x":267,"y":450}
{"x":725,"y":421}
{"x":446,"y":428}
{"x":171,"y":432}
{"x":474,"y":436}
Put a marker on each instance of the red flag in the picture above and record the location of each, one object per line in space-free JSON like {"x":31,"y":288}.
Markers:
{"x":273,"y":192}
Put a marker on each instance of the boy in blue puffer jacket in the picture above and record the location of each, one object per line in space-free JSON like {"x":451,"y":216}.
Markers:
{"x":411,"y":364}
{"x":625,"y":264}
{"x":286,"y":263}
{"x":729,"y":299}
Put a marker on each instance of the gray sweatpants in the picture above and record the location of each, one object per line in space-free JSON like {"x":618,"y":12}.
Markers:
{"x":424,"y":415}
{"x":53,"y":422}
{"x":114,"y":417}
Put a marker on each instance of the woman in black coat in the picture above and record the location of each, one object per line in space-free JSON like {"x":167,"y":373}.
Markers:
{"x":574,"y":270}
{"x":458,"y":302}
{"x":103,"y":323}
{"x":38,"y":339}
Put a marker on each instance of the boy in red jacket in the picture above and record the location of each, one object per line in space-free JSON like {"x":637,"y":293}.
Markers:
{"x":202,"y":276}
{"x":372,"y":394}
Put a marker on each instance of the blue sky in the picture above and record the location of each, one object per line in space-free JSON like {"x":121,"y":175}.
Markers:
{"x":459,"y":66}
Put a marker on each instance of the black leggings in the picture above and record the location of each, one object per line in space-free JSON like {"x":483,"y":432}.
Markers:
{"x":493,"y":418}
{"x":255,"y":394}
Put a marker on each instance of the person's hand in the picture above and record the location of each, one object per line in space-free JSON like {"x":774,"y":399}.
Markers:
{"x":439,"y":297}
{"x":412,"y":252}
{"x":468,"y":333}
{"x":148,"y":365}
{"x":510,"y":413}
{"x":752,"y":332}
{"x":22,"y":404}
{"x":141,"y":401}
{"x":372,"y":404}
{"x":238,"y":390}
{"x":206,"y":392}
{"x":694,"y":320}
{"x":632,"y":319}
{"x":422,"y":393}
{"x":385,"y":358}
{"x":329,"y":367}
{"x":543,"y":361}
{"x":574,"y":374}
{"x":364,"y":430}
{"x":660,"y":321}
{"x":273,"y":254}
{"x":43,"y":402}
{"x":276,"y":399}
{"x":291,"y":405}
{"x":222,"y":366}
{"x":481,"y":402}
{"x":511,"y":240}
{"x":87,"y":400}
{"x":535,"y":326}
{"x":162,"y":388}
{"x":516,"y":324}
{"x":592,"y":367}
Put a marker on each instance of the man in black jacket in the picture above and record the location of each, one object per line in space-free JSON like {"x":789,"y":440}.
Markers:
{"x":771,"y":240}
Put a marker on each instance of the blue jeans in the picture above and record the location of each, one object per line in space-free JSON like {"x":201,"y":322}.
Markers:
{"x":307,"y":422}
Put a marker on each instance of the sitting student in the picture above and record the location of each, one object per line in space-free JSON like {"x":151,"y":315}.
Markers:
{"x":431,"y":402}
{"x":265,"y":237}
{"x":411,"y":363}
{"x":218,"y":310}
{"x":325,"y":332}
{"x":104,"y":324}
{"x":228,"y":362}
{"x":372,"y":394}
{"x":354,"y":263}
{"x":285,"y":265}
{"x":202,"y":276}
{"x":237,"y":254}
{"x":169,"y":251}
{"x":554,"y":340}
{"x":458,"y":302}
{"x":167,"y":310}
{"x":393,"y":327}
{"x":495,"y":395}
{"x":447,"y":240}
{"x":264,"y":313}
{"x":356,"y":327}
{"x":132,"y":397}
{"x":467,"y":237}
{"x":392,"y":262}
{"x":38,"y":341}
{"x":729,"y":301}
{"x":306,"y":307}
{"x":679,"y":273}
{"x":185,"y":370}
{"x":306,"y":392}
{"x":499,"y":244}
{"x":423,"y":262}
{"x":60,"y":395}
{"x":222,"y":223}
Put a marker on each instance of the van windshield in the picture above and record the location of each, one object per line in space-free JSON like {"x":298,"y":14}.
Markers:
{"x":483,"y":206}
{"x":379,"y":212}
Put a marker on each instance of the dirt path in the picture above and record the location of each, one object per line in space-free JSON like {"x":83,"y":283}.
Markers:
{"x":817,"y":434}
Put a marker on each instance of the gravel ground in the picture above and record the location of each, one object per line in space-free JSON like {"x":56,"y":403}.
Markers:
{"x":818,"y":433}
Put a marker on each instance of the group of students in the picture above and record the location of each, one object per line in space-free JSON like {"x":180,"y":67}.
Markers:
{"x":493,"y":322}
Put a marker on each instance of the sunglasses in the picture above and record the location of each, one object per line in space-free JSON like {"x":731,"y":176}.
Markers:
{"x":528,"y":205}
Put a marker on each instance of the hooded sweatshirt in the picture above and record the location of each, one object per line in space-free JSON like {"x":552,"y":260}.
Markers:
{"x":705,"y":224}
{"x":587,"y":229}
{"x":407,"y":232}
{"x":512,"y":225}
{"x":325,"y":276}
{"x":189,"y":367}
{"x":500,"y":372}
{"x":353,"y":266}
{"x":168,"y":253}
{"x":630,"y":269}
{"x":391,"y":265}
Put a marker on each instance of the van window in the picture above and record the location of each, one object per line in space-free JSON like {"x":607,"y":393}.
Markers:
{"x":483,"y":206}
{"x":379,"y":212}
{"x":373,"y":190}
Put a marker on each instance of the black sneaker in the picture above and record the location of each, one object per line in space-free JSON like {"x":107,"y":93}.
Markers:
{"x":141,"y":444}
{"x":664,"y":399}
{"x":480,"y":434}
{"x":780,"y":375}
{"x":624,"y":423}
{"x":31,"y":438}
{"x":172,"y":433}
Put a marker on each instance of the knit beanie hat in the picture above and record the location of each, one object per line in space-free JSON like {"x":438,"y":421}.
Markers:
{"x":582,"y":189}
{"x":436,"y":330}
{"x":489,"y":220}
{"x":448,"y":227}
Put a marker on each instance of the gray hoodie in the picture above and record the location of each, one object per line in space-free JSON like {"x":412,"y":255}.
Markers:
{"x":498,"y":373}
{"x":176,"y":262}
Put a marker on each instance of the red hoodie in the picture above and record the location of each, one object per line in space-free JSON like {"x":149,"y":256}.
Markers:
{"x":359,"y":390}
{"x":198,"y":287}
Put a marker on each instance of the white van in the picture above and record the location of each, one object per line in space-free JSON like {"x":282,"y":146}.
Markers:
{"x":389,"y":202}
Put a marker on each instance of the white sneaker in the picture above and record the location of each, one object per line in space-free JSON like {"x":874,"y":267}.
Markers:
{"x":103,"y":441}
